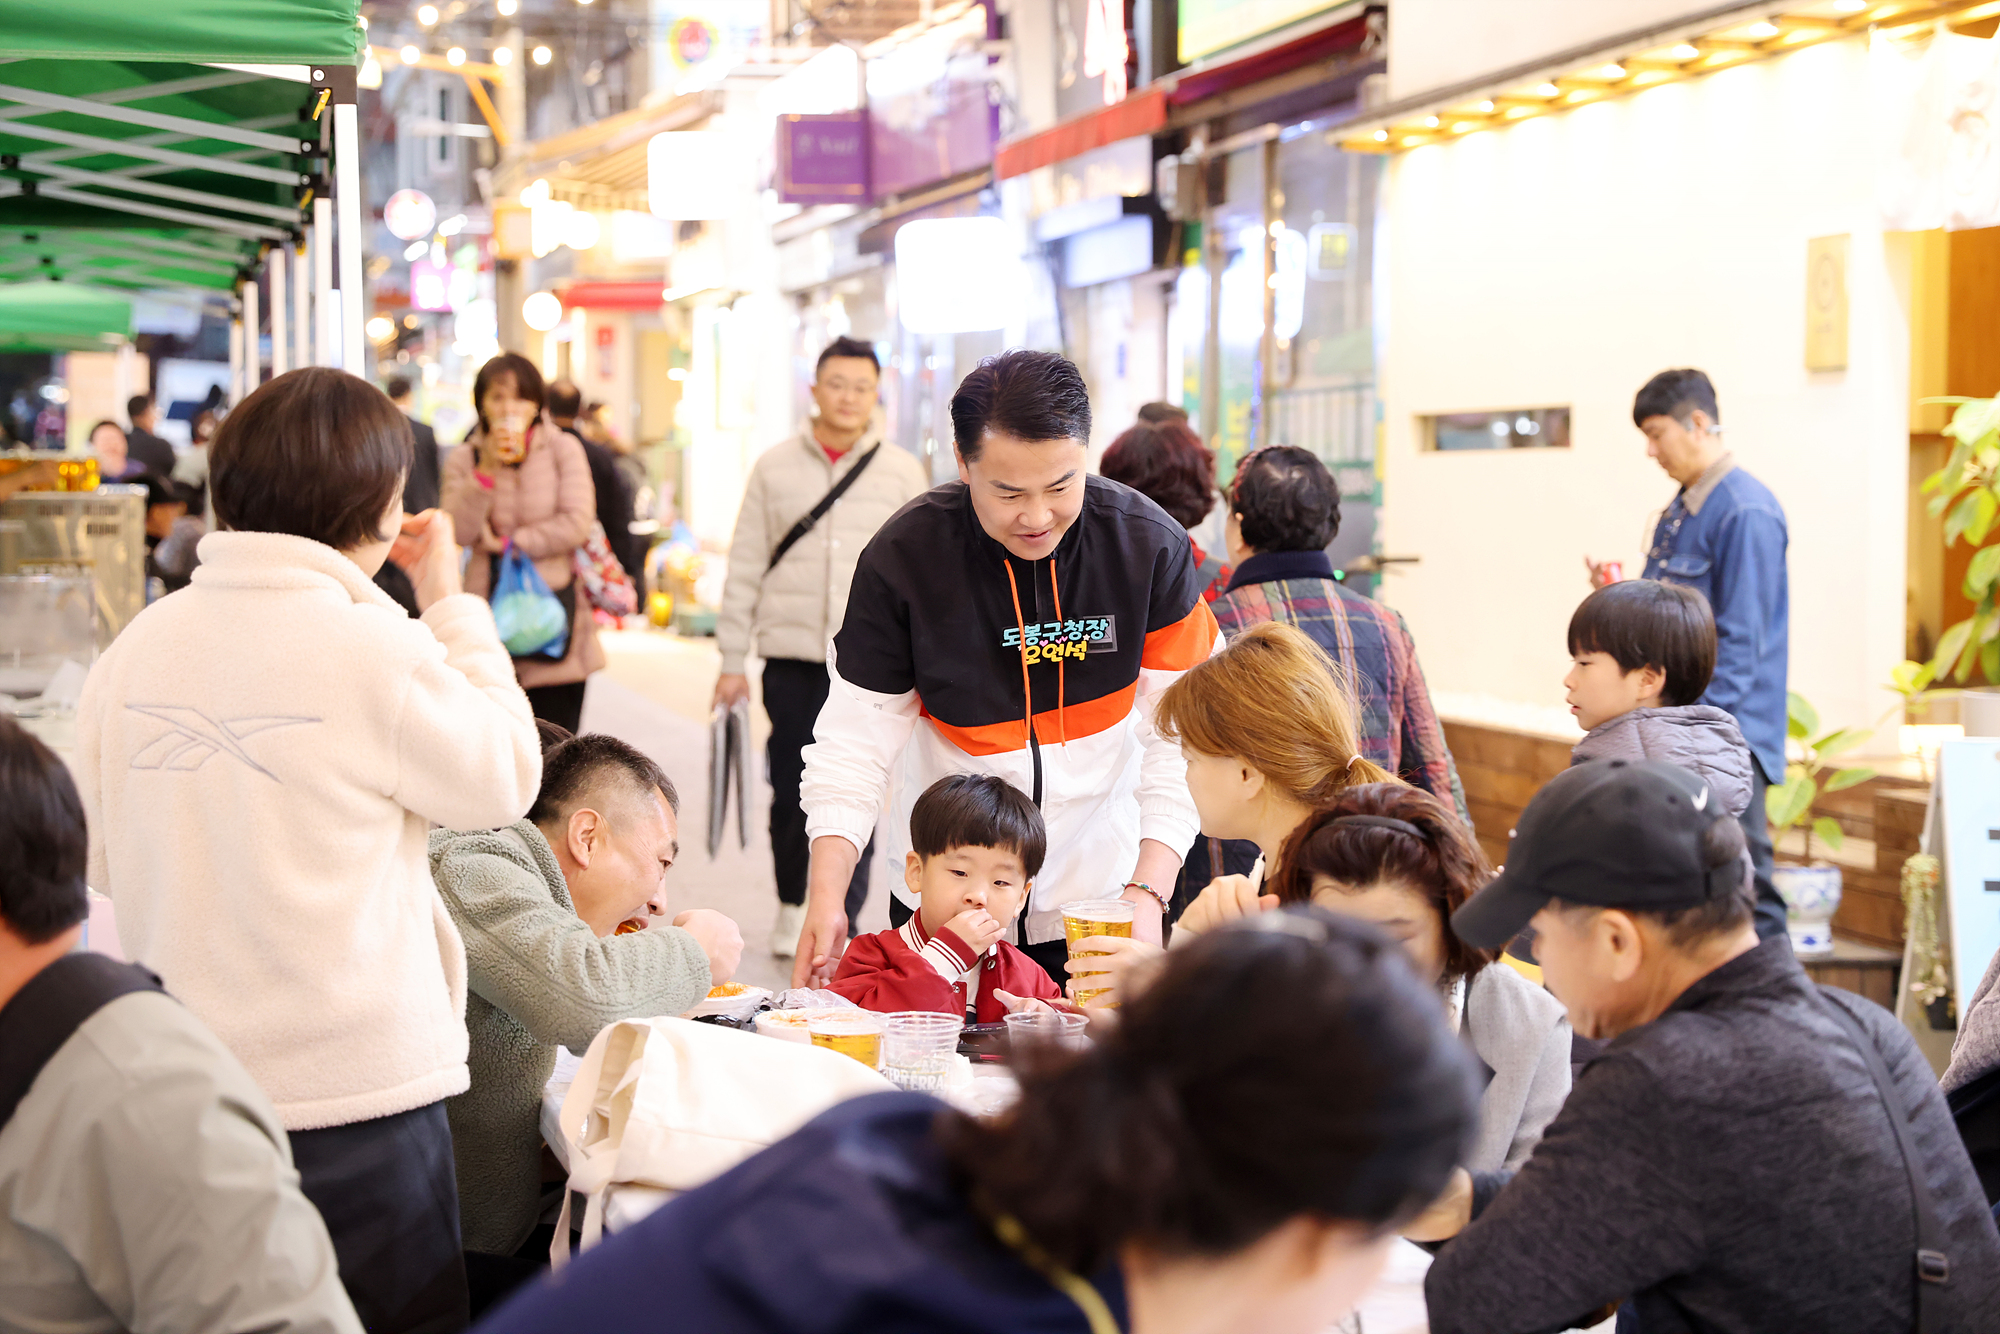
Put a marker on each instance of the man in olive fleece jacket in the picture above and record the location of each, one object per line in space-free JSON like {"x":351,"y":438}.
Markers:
{"x":537,"y":975}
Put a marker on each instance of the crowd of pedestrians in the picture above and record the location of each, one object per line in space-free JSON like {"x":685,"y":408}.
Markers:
{"x":371,"y":878}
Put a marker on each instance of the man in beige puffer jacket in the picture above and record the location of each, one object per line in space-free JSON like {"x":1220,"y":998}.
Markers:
{"x":792,"y":608}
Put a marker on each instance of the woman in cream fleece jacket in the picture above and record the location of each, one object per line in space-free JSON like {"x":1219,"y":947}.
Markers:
{"x":261,"y":756}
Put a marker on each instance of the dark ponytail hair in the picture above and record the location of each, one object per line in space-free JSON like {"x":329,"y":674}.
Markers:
{"x":1290,"y":1065}
{"x":1439,"y":860}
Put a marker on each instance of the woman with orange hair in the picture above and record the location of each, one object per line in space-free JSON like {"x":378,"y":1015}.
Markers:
{"x":1269,"y":736}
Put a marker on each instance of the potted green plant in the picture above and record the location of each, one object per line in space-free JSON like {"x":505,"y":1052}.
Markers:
{"x":1811,"y":887}
{"x":1966,"y":491}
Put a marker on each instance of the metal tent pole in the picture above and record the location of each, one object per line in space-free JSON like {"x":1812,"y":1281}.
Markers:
{"x":347,"y":200}
{"x":302,"y":317}
{"x":274,"y":265}
{"x":236,"y":355}
{"x":326,"y":341}
{"x":253,"y":340}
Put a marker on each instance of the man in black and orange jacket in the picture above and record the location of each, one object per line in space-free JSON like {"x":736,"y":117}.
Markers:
{"x":1017,"y":622}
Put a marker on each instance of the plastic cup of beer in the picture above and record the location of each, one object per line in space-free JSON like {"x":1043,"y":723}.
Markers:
{"x":854,"y":1033}
{"x":1058,"y":1028}
{"x":1093,"y":917}
{"x":918,"y":1047}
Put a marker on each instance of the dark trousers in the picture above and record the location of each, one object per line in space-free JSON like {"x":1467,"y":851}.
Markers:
{"x":561,"y":705}
{"x":1757,"y":834}
{"x":794,"y":692}
{"x":389,"y":1195}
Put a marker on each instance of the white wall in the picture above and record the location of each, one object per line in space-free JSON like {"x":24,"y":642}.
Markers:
{"x":1437,"y":43}
{"x":1564,"y":261}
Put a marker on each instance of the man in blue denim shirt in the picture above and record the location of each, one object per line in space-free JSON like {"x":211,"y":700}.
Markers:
{"x":1724,"y":534}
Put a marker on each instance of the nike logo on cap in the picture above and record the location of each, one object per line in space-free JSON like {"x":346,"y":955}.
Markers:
{"x":1701,"y":800}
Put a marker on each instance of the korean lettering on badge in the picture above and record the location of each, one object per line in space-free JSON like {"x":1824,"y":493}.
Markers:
{"x":1062,"y":641}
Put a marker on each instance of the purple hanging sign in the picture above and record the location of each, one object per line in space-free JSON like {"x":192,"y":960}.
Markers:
{"x":823,"y":159}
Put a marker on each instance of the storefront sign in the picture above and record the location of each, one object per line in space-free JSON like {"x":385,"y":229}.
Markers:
{"x":607,"y":345}
{"x":930,"y":116}
{"x":823,"y":159}
{"x":1826,"y":303}
{"x":1208,"y":26}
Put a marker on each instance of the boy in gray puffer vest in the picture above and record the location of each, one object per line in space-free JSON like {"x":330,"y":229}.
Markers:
{"x":1643,"y":654}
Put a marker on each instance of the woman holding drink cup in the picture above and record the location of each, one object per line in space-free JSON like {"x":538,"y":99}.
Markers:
{"x":1269,"y":737}
{"x":519,"y":478}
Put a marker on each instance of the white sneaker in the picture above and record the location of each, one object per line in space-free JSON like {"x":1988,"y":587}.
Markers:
{"x":785,"y":931}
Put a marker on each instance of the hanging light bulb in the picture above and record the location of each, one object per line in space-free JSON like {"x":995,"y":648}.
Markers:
{"x":503,"y":55}
{"x":543,"y":55}
{"x":507,"y":7}
{"x":455,"y":56}
{"x":411,"y":55}
{"x":427,"y":15}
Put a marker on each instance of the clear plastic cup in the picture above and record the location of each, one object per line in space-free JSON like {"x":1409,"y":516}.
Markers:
{"x":1028,"y":1028}
{"x":918,"y":1047}
{"x":855,"y":1033}
{"x":1093,"y":917}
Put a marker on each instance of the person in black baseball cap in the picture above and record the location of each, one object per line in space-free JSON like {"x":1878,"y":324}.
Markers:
{"x":1611,"y":834}
{"x":1689,"y":1175}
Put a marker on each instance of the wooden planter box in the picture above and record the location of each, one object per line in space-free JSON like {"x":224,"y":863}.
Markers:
{"x":1882,"y":818}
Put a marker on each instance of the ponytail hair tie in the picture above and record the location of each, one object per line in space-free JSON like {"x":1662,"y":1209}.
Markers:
{"x":1354,"y":759}
{"x":1383,"y":822}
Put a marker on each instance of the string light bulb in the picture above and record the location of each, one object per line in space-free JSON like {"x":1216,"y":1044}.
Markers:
{"x":455,"y":56}
{"x":543,"y":55}
{"x":411,"y":55}
{"x":503,"y":55}
{"x":506,"y":8}
{"x":428,"y":15}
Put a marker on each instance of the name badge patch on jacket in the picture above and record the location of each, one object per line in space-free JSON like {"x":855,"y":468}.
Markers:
{"x":1055,"y":641}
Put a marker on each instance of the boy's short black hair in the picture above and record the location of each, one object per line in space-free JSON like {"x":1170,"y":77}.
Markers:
{"x":1647,"y":623}
{"x":315,"y":453}
{"x":43,"y":844}
{"x":1286,"y":500}
{"x":1677,"y":394}
{"x":397,"y":387}
{"x":844,"y":346}
{"x":978,"y":811}
{"x":135,"y":406}
{"x":1029,"y":395}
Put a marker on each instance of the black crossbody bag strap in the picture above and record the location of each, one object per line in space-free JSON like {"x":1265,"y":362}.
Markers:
{"x":43,"y":1015}
{"x":1933,"y":1266}
{"x":805,"y":525}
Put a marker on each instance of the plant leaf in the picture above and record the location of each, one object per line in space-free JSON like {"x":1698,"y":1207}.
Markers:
{"x":1951,"y":645}
{"x":1983,"y":509}
{"x":1828,"y":831}
{"x":1989,"y":661}
{"x":1981,"y":573}
{"x":1970,"y":658}
{"x":1961,"y":517}
{"x":1847,"y":778}
{"x":1801,"y":718}
{"x":1787,"y":805}
{"x":1974,"y":420}
{"x":1847,"y":738}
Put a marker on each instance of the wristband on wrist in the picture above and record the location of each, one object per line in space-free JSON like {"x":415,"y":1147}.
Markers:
{"x":1158,"y":897}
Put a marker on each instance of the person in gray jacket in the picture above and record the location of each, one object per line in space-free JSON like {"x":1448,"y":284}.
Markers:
{"x":1642,"y":652}
{"x":1399,"y":858}
{"x":146,"y":1183}
{"x":1750,"y":1152}
{"x":563,"y":916}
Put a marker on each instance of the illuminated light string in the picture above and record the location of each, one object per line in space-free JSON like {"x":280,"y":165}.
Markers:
{"x":1751,"y":37}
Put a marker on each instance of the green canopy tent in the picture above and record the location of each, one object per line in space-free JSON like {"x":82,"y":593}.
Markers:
{"x":178,"y":145}
{"x":68,"y":311}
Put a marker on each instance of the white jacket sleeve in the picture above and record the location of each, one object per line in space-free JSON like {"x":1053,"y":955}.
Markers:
{"x":749,"y":554}
{"x":1166,"y":810}
{"x":467,"y":753}
{"x":856,"y":741}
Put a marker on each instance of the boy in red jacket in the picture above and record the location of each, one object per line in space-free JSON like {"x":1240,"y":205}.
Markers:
{"x":976,"y":843}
